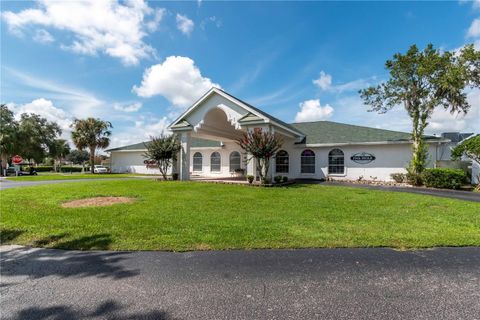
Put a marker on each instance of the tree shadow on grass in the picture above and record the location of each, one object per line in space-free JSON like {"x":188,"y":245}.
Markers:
{"x":7,"y":235}
{"x":95,"y":242}
{"x":37,"y":263}
{"x":109,"y":309}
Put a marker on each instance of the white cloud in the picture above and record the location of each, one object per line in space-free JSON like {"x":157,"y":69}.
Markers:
{"x":113,"y":28}
{"x":213,"y":20}
{"x":80,"y":103}
{"x":177,"y":79}
{"x":184,"y":24}
{"x":45,"y":109}
{"x":311,"y":110}
{"x":141,"y":130}
{"x":324,"y":82}
{"x":443,"y":120}
{"x":474,"y":30}
{"x":43,"y":36}
{"x":133,"y":107}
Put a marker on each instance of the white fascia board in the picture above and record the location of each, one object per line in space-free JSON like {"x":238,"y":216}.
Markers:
{"x":219,"y":92}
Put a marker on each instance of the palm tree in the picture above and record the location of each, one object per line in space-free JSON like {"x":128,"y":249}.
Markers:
{"x":91,"y":133}
{"x":58,"y":150}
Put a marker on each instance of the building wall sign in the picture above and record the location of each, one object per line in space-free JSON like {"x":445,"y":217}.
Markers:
{"x":362,"y":157}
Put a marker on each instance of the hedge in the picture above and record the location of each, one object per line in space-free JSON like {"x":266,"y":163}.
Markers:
{"x":70,"y":169}
{"x":40,"y":168}
{"x":444,"y":178}
{"x":50,"y":169}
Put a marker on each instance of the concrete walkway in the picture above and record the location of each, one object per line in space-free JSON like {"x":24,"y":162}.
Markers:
{"x":438,"y":284}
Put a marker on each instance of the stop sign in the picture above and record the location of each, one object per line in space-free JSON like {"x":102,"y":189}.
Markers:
{"x":17,"y":159}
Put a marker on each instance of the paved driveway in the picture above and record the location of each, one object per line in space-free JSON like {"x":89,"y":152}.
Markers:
{"x":258,"y":284}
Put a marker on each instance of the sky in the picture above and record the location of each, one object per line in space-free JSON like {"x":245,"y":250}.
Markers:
{"x":141,"y":64}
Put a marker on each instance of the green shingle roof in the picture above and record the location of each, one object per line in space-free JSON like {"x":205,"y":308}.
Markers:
{"x":328,"y":132}
{"x":196,"y":143}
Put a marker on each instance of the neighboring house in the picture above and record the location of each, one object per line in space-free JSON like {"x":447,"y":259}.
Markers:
{"x":208,"y":131}
{"x":445,"y":151}
{"x":475,"y":172}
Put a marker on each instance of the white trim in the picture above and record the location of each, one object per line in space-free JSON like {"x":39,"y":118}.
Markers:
{"x":237,"y":102}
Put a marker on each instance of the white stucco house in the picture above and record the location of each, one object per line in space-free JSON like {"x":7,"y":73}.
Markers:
{"x":208,"y":131}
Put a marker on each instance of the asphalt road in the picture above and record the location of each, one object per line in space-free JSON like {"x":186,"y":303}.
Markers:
{"x":259,"y":284}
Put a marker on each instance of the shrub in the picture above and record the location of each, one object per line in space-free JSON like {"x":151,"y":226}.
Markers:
{"x":278,"y":179}
{"x":284,"y":179}
{"x":70,"y":169}
{"x":444,"y":178}
{"x":39,"y":168}
{"x":174,"y":176}
{"x":399,"y":177}
{"x":414,"y":178}
{"x":250,"y":179}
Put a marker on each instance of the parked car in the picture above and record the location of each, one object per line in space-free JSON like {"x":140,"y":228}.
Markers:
{"x":31,"y":172}
{"x":100,"y":169}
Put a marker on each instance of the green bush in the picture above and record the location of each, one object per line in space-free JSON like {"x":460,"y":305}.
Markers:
{"x":399,"y":177}
{"x":444,"y":178}
{"x":278,"y":179}
{"x":39,"y":168}
{"x":175,"y":176}
{"x":414,"y":178}
{"x":284,"y":179}
{"x":70,"y":169}
{"x":250,"y":178}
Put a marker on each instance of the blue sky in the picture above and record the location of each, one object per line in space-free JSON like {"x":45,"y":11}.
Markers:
{"x":140,"y":64}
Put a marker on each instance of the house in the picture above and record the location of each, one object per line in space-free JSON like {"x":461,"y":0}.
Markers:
{"x":209,"y":129}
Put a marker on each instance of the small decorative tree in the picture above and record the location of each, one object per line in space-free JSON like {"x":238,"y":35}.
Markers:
{"x":262,"y":146}
{"x":163,"y":151}
{"x":470,"y":148}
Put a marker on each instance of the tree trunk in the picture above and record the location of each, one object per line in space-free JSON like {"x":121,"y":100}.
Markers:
{"x":92,"y":159}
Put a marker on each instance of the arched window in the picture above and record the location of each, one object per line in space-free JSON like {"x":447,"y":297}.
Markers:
{"x":215,"y":162}
{"x":336,"y":162}
{"x":234,"y":161}
{"x":197,"y":161}
{"x":307,"y":161}
{"x":281,"y":162}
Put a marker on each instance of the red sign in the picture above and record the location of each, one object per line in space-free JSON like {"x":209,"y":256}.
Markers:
{"x":17,"y":159}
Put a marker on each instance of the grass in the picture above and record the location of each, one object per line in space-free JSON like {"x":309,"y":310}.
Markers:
{"x":42,"y":176}
{"x":192,"y":215}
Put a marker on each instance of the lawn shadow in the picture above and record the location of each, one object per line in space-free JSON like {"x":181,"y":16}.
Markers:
{"x":108,"y":309}
{"x":7,"y":235}
{"x":95,"y":242}
{"x":38,"y":263}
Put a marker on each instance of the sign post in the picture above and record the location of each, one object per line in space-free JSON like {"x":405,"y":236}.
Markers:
{"x":16,"y":160}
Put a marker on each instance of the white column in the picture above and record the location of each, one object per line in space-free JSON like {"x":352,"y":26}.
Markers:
{"x":184,"y":173}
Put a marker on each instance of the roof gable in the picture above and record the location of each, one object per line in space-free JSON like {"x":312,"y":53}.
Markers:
{"x":246,"y":112}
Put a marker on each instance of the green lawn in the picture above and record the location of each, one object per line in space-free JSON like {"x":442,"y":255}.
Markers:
{"x":70,"y":176}
{"x":192,"y":215}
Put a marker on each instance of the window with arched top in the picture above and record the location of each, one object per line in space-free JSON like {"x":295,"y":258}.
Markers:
{"x":336,"y":162}
{"x":235,"y":160}
{"x":281,"y":162}
{"x":307,"y":160}
{"x":215,"y":162}
{"x":197,"y":161}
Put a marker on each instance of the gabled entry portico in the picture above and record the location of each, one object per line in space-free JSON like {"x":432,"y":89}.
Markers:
{"x":221,"y":117}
